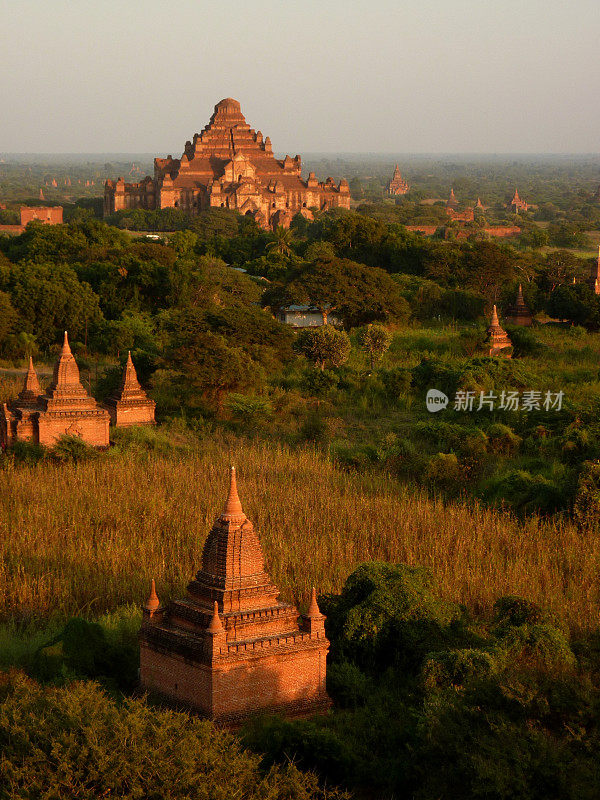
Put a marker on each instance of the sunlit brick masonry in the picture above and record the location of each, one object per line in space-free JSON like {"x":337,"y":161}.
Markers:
{"x":66,"y":409}
{"x":230,"y":648}
{"x":229,"y":165}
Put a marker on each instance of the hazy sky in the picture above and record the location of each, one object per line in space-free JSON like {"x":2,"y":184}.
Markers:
{"x":314,"y":75}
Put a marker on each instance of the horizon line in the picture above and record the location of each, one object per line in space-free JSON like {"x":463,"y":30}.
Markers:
{"x":386,"y":153}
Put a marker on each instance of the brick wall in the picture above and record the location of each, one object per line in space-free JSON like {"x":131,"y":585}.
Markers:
{"x":46,"y":214}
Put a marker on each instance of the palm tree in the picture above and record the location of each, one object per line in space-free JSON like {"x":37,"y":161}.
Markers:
{"x":282,"y":242}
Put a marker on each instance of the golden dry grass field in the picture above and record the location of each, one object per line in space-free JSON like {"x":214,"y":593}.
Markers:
{"x":86,"y":538}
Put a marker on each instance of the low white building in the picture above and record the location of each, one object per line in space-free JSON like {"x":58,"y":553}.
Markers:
{"x":305,"y":317}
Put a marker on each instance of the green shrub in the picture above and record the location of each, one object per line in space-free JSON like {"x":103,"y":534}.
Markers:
{"x":314,"y":428}
{"x":443,"y":471}
{"x":527,"y":492}
{"x":541,"y":645}
{"x":26,"y":453}
{"x":318,"y":383}
{"x":250,"y":410}
{"x":524,"y":342}
{"x":512,"y":610}
{"x":453,"y":668}
{"x":396,"y":382}
{"x":390,"y":614}
{"x":305,"y":743}
{"x":503,"y":440}
{"x":63,"y":743}
{"x":347,"y":685}
{"x":527,"y":633}
{"x":72,"y":450}
{"x":586,"y":508}
{"x":81,"y":649}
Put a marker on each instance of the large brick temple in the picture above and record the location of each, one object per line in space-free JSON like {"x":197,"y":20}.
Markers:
{"x":231,"y":648}
{"x":229,"y":165}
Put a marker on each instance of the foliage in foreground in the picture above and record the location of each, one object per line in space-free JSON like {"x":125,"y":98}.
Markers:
{"x":76,"y":742}
{"x":433,"y":703}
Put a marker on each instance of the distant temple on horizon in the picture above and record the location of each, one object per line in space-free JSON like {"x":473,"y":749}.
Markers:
{"x":519,"y":314}
{"x":397,"y":186}
{"x":516,"y":204}
{"x":229,"y":165}
{"x":47,"y":215}
{"x":467,"y":214}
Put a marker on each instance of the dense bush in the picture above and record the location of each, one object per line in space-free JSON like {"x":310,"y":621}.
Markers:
{"x":76,"y":742}
{"x":497,"y":709}
{"x":390,"y":614}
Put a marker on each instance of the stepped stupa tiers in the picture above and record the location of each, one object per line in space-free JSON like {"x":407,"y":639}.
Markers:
{"x":229,"y":165}
{"x":130,"y":405}
{"x":398,"y":186}
{"x":231,"y":648}
{"x":19,"y":417}
{"x":519,"y":314}
{"x":500,"y":344}
{"x":65,"y":408}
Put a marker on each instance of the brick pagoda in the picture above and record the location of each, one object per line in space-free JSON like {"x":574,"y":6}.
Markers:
{"x":229,"y":165}
{"x":498,"y":338}
{"x":519,"y":314}
{"x":398,"y":185}
{"x":594,"y":279}
{"x":230,"y":647}
{"x":452,"y":202}
{"x":516,"y":204}
{"x":67,"y":409}
{"x":19,"y":417}
{"x":130,"y":405}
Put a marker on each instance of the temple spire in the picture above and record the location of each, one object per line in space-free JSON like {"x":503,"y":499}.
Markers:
{"x":215,"y":625}
{"x":31,"y":387}
{"x":313,"y":609}
{"x":498,"y":338}
{"x":129,"y":381}
{"x":233,"y":512}
{"x":66,"y":372}
{"x":153,"y":603}
{"x":66,"y":349}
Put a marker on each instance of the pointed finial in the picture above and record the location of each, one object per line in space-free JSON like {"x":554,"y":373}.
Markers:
{"x":153,"y":603}
{"x":31,"y":385}
{"x":313,"y":609}
{"x":66,"y":348}
{"x":215,"y":625}
{"x":494,"y":317}
{"x":233,"y":508}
